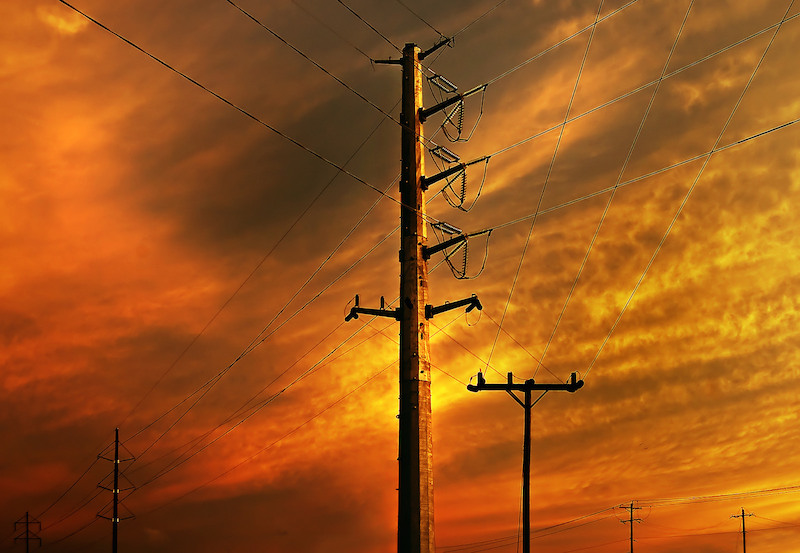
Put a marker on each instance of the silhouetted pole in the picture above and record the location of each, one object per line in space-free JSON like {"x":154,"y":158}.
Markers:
{"x":415,"y":501}
{"x":29,"y":536}
{"x":415,"y":479}
{"x":526,"y":387}
{"x":631,"y":520}
{"x":115,"y":491}
{"x":744,"y":542}
{"x":115,"y":494}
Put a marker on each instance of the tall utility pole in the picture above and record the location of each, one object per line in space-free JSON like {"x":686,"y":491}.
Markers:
{"x":415,"y":486}
{"x":527,"y":388}
{"x":631,"y":520}
{"x":115,"y":491}
{"x":415,"y":501}
{"x":28,"y":536}
{"x":744,"y":542}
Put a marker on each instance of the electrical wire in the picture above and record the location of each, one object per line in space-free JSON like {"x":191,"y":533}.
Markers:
{"x":484,"y":14}
{"x":275,"y":442}
{"x":526,"y":350}
{"x":547,"y":178}
{"x":712,"y":498}
{"x":689,"y":191}
{"x":312,"y":61}
{"x":415,"y":14}
{"x":368,"y":24}
{"x":209,"y":384}
{"x":253,"y":412}
{"x":645,"y":85}
{"x":241,"y":110}
{"x":331,"y":29}
{"x":640,"y":178}
{"x":616,"y":184}
{"x":561,"y":42}
{"x":257,"y":268}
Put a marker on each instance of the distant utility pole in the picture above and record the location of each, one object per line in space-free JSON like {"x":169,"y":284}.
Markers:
{"x":115,"y":490}
{"x":631,"y":520}
{"x":415,"y":486}
{"x":527,"y":388}
{"x":744,"y":543}
{"x":28,"y":536}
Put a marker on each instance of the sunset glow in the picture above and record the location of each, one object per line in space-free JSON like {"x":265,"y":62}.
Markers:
{"x":174,"y":265}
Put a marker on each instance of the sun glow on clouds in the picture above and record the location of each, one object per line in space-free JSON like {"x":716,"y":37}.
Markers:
{"x":134,"y":205}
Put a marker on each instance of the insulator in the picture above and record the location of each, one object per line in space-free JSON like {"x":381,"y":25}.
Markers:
{"x":442,"y":84}
{"x":445,"y":155}
{"x":447,"y":228}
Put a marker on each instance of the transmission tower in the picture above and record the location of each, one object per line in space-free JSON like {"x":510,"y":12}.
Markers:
{"x":527,"y":388}
{"x":28,"y":535}
{"x":631,"y":520}
{"x":415,"y":487}
{"x":115,"y":491}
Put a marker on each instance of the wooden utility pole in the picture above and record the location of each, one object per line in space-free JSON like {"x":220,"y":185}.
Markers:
{"x":527,"y":388}
{"x":744,"y":542}
{"x":631,"y":520}
{"x":415,"y":501}
{"x":415,"y":486}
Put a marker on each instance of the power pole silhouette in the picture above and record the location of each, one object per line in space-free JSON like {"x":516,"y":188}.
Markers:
{"x":115,"y":491}
{"x":415,"y":485}
{"x":631,"y":520}
{"x":744,"y":542}
{"x":527,"y":388}
{"x":28,"y":536}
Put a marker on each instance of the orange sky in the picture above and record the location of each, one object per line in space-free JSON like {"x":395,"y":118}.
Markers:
{"x":150,"y":237}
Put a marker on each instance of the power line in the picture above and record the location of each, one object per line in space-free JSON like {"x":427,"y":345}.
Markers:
{"x":253,"y":411}
{"x":484,"y":14}
{"x":544,"y":186}
{"x":617,"y":183}
{"x":644,"y":86}
{"x":640,"y":178}
{"x":331,"y":29}
{"x":368,"y":24}
{"x":415,"y":14}
{"x":272,"y":444}
{"x":237,"y":108}
{"x":209,"y":384}
{"x":317,"y":65}
{"x":259,"y":265}
{"x":688,"y":192}
{"x":563,"y":41}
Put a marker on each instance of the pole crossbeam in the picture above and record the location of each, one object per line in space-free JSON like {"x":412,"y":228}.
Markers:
{"x":527,"y":388}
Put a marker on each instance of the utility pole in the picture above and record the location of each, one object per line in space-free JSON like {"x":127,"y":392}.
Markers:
{"x":115,"y":490}
{"x":744,"y":543}
{"x":527,"y":388}
{"x":28,"y":536}
{"x":415,"y":483}
{"x":631,"y":520}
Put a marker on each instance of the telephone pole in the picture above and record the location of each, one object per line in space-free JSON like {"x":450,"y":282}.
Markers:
{"x":115,"y":490}
{"x":415,"y":481}
{"x":28,"y":536}
{"x":631,"y":520}
{"x":744,"y":542}
{"x":527,"y":388}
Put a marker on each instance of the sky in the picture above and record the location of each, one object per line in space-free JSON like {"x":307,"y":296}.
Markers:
{"x":192,"y":193}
